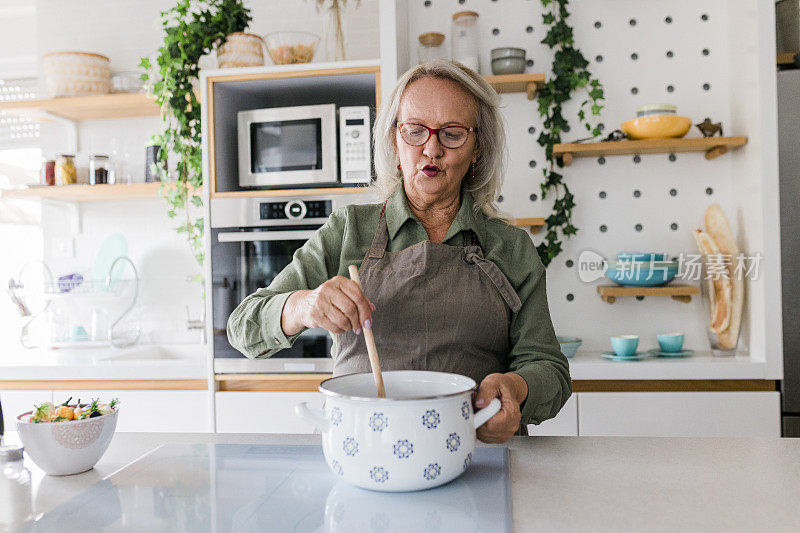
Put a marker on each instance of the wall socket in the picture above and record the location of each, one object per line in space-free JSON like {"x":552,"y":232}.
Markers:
{"x":63,"y":247}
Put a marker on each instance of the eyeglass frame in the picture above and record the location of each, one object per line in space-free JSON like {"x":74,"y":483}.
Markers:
{"x":436,"y":131}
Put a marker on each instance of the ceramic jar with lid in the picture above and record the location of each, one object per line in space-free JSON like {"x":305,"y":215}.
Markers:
{"x":464,"y":38}
{"x":431,"y":46}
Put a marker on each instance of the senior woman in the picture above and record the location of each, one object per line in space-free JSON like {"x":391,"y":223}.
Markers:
{"x":447,"y":284}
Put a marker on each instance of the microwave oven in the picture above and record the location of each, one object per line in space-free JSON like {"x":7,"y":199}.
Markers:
{"x":304,"y":145}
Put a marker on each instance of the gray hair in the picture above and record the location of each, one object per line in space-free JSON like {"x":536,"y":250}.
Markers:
{"x":490,"y":167}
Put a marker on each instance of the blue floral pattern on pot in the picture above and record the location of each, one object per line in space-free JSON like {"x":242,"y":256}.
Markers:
{"x":403,"y":449}
{"x":378,"y":421}
{"x":453,"y":442}
{"x":336,"y":416}
{"x":465,"y":410}
{"x":468,"y":460}
{"x":431,"y":419}
{"x":432,"y":471}
{"x":337,"y":467}
{"x":350,"y":446}
{"x":378,"y":474}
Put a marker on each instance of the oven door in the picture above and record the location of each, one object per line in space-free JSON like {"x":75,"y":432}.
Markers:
{"x":244,"y":260}
{"x":287,"y":146}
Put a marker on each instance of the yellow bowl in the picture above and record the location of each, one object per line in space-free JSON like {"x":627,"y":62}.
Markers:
{"x":657,"y":127}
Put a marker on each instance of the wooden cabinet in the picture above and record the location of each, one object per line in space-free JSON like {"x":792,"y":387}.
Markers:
{"x":564,"y":424}
{"x":152,"y":410}
{"x":263,"y":412}
{"x":679,"y":414}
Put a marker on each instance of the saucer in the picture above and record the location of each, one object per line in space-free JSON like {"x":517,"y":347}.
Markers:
{"x":637,"y":356}
{"x":658,"y":353}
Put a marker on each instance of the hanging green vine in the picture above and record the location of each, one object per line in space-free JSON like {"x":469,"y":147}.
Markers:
{"x":569,"y":73}
{"x":192,"y":28}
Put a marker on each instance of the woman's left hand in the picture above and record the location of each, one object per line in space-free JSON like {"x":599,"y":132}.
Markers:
{"x":512,"y":390}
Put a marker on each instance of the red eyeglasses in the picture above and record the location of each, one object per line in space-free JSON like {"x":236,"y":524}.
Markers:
{"x":418,"y":134}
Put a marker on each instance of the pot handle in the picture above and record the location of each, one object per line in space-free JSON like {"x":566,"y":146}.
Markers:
{"x":314,"y":416}
{"x":482,"y":416}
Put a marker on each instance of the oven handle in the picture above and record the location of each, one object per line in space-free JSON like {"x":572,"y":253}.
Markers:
{"x":251,"y":236}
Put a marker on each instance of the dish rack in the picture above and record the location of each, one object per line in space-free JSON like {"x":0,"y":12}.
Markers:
{"x":50,"y":291}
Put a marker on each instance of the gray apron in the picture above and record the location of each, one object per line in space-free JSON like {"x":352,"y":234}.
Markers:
{"x":438,"y":307}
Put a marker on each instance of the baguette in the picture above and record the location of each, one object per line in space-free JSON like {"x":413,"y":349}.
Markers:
{"x":719,"y":229}
{"x":719,"y":292}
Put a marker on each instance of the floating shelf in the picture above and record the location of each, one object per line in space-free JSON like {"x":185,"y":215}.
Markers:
{"x":787,"y":58}
{"x":533,"y":224}
{"x":88,"y":193}
{"x":682,"y":293}
{"x":78,"y":108}
{"x":712,"y":146}
{"x":518,"y":83}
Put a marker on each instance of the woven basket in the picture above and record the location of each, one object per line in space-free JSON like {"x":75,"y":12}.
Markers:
{"x":76,"y":74}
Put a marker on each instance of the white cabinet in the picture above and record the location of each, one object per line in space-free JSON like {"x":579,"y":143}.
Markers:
{"x":153,"y":410}
{"x":564,"y":424}
{"x":263,"y":412}
{"x":16,"y":402}
{"x":679,"y":414}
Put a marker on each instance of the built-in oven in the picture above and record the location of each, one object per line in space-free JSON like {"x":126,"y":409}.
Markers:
{"x":252,"y":240}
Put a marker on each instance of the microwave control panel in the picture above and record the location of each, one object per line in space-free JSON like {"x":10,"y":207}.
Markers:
{"x":294,"y":209}
{"x":355,"y":157}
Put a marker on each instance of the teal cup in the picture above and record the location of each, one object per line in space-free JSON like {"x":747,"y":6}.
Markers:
{"x":670,"y":342}
{"x":625,"y":345}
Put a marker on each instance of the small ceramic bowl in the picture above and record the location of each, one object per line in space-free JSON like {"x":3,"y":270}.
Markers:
{"x":670,"y":342}
{"x":508,"y":65}
{"x":507,"y":51}
{"x":657,"y":127}
{"x":625,"y":345}
{"x":569,"y":345}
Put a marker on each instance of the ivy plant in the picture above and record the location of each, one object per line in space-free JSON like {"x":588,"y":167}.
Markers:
{"x":569,"y":73}
{"x":192,"y":28}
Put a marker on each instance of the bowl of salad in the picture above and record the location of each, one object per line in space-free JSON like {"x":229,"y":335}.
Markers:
{"x":68,"y":438}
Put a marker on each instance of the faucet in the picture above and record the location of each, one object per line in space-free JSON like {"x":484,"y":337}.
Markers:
{"x":199,"y":323}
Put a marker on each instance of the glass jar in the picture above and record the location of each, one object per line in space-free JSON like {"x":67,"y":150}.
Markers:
{"x":464,"y":39}
{"x":15,"y":488}
{"x":66,"y":174}
{"x":430,"y":47}
{"x":98,"y":169}
{"x":48,"y":172}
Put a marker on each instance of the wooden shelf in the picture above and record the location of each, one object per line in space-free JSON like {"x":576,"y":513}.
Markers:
{"x":786,"y":58}
{"x":87,"y":193}
{"x":682,"y":293}
{"x":78,"y":108}
{"x":712,"y":146}
{"x":518,"y":83}
{"x":268,"y":193}
{"x":533,"y":224}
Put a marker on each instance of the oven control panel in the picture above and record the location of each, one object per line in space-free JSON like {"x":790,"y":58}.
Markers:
{"x":294,"y":209}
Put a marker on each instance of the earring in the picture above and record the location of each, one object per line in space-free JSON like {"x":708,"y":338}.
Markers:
{"x":399,"y":167}
{"x":472,"y":171}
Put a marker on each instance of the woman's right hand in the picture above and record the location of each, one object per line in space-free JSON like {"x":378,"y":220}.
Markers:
{"x":338,"y":305}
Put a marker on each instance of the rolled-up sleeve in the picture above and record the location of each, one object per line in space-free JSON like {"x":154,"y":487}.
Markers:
{"x":254,"y":327}
{"x":535,"y":353}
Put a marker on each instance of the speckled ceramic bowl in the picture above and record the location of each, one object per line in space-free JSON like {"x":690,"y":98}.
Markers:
{"x":420,"y":436}
{"x":64,"y":448}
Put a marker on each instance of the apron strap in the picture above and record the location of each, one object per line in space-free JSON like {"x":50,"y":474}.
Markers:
{"x":475,"y":255}
{"x":381,"y":238}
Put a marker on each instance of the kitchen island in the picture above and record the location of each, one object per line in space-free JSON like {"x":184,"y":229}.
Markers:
{"x":572,"y":483}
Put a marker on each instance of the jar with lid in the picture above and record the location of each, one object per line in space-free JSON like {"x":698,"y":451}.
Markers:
{"x":430,"y":47}
{"x":15,"y":488}
{"x":464,"y":39}
{"x":48,"y":172}
{"x":66,"y":174}
{"x":98,"y":169}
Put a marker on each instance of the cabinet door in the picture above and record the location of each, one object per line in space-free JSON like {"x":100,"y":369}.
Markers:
{"x":153,"y":410}
{"x":16,"y":402}
{"x":564,"y":424}
{"x":679,"y":414}
{"x":263,"y":412}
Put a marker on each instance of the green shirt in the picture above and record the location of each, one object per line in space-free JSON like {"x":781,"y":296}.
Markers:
{"x":254,"y":327}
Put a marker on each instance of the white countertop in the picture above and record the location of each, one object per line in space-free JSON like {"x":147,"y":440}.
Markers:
{"x":575,"y":483}
{"x":176,"y":361}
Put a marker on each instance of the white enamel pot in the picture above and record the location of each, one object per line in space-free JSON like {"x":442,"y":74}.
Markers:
{"x":420,"y":436}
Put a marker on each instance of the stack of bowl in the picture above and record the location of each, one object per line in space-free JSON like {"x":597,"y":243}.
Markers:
{"x":638,"y":269}
{"x":508,"y":60}
{"x":658,"y":121}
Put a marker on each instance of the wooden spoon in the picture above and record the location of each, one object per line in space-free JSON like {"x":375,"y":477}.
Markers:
{"x":372,"y":350}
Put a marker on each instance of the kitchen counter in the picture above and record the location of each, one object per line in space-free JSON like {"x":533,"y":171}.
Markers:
{"x":575,"y":483}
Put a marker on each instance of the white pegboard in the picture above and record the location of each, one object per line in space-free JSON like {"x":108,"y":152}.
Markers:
{"x":677,"y":45}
